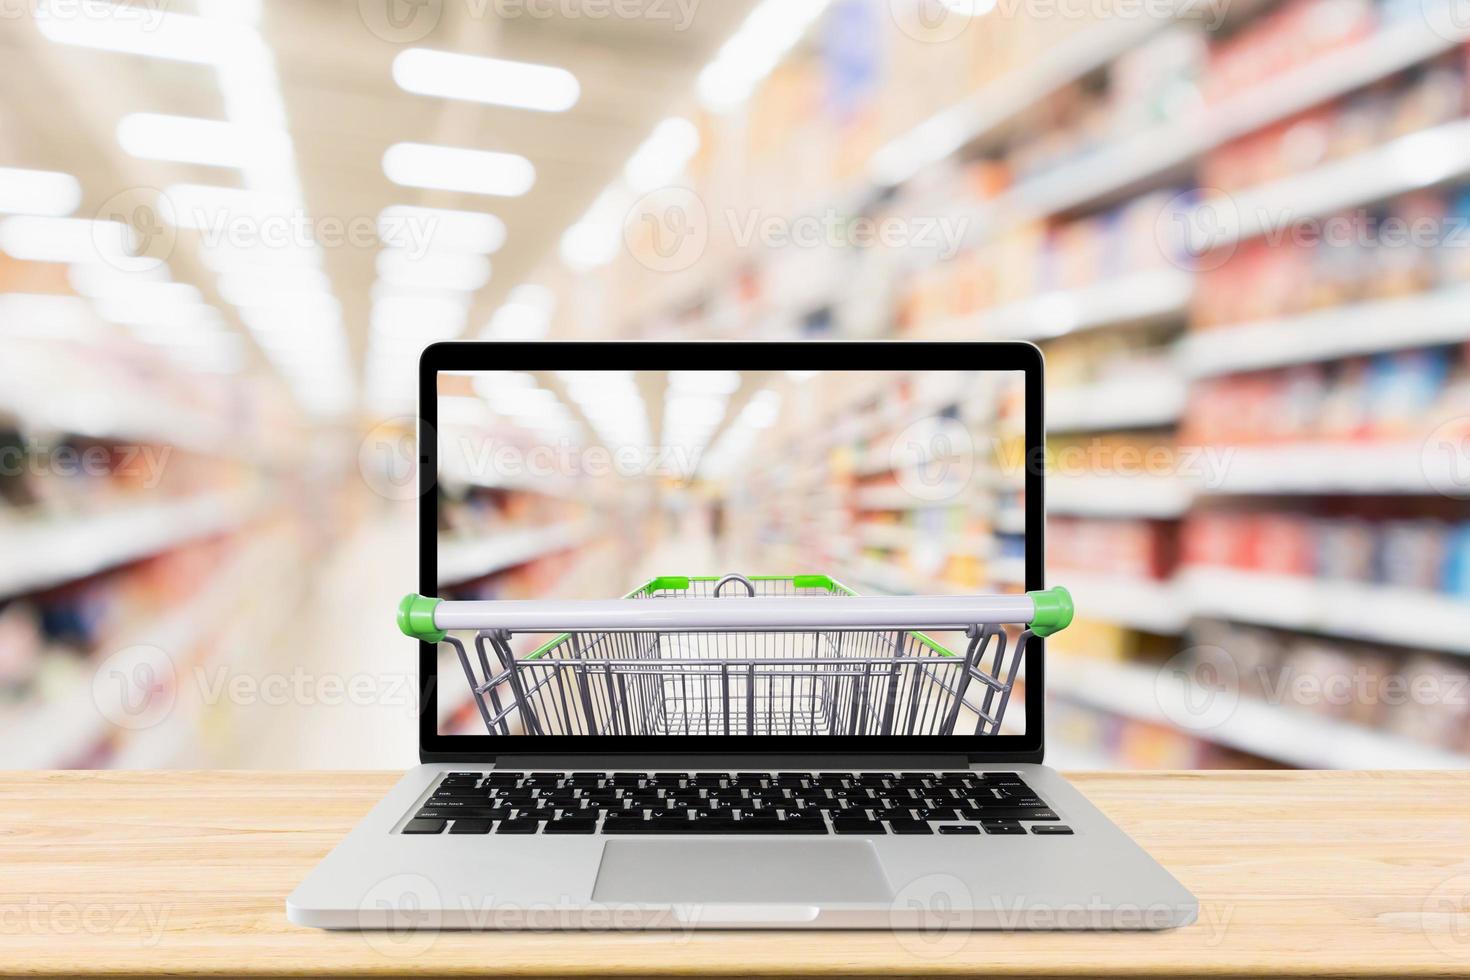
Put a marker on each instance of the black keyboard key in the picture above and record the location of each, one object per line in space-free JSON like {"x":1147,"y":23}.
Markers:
{"x":958,"y":828}
{"x":1051,"y":828}
{"x":504,"y":778}
{"x":938,"y":813}
{"x":1016,"y":813}
{"x":857,"y":826}
{"x":518,"y":825}
{"x":423,"y":826}
{"x":1002,"y":827}
{"x":471,"y":827}
{"x":627,"y":779}
{"x":910,"y":827}
{"x":566,"y":825}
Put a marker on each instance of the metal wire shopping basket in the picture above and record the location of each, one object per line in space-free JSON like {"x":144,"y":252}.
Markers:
{"x":765,"y":655}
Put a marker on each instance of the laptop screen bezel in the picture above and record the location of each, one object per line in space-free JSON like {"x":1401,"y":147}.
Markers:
{"x":462,"y":356}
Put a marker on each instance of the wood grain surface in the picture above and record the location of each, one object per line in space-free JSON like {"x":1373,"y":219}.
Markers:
{"x":186,"y":873}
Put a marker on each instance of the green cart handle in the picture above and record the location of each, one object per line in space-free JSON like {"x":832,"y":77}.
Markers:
{"x":1045,"y":612}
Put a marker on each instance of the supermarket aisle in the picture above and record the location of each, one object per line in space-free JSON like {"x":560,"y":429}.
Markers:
{"x":348,"y":675}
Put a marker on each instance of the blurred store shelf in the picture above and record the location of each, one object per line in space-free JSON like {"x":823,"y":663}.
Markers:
{"x":1347,"y":331}
{"x":1284,"y":734}
{"x":1167,"y":147}
{"x":1155,"y":607}
{"x":461,"y":560}
{"x":1379,"y":613}
{"x":1408,"y":163}
{"x":981,"y":114}
{"x":1138,"y":298}
{"x":1119,"y":496}
{"x":1335,"y":468}
{"x":68,"y":728}
{"x":1147,"y":400}
{"x":44,"y":553}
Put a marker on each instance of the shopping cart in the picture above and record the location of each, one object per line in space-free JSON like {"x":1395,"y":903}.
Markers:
{"x":764,"y":655}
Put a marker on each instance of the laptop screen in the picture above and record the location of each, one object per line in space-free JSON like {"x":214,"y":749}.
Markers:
{"x":715,"y":552}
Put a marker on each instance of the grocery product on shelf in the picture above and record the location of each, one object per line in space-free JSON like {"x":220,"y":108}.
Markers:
{"x":1385,"y":398}
{"x":1373,"y":547}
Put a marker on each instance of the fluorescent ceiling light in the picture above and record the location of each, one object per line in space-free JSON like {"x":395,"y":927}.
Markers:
{"x":43,"y":192}
{"x":463,"y":410}
{"x":386,"y":291}
{"x":238,"y":11}
{"x":201,"y":207}
{"x":226,"y":258}
{"x":771,"y":30}
{"x":436,"y":270}
{"x":94,"y":279}
{"x":439,"y":229}
{"x":192,"y":317}
{"x":663,"y":156}
{"x":208,"y":142}
{"x":526,"y":314}
{"x":450,"y":168}
{"x":136,"y":28}
{"x":415,"y":317}
{"x":244,"y":285}
{"x":147,"y":295}
{"x":492,"y":81}
{"x":705,"y":382}
{"x":79,"y":240}
{"x":595,"y":239}
{"x":47,"y":316}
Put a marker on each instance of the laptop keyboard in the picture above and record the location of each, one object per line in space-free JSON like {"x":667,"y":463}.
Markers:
{"x":617,"y":803}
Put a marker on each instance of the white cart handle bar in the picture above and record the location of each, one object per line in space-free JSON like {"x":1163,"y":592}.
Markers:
{"x":1044,"y":612}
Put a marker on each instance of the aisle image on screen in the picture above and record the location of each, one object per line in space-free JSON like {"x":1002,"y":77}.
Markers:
{"x":731,"y":489}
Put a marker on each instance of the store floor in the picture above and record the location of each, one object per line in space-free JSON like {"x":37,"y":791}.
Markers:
{"x":347,"y":674}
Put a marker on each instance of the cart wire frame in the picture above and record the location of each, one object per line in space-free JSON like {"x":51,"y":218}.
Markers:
{"x":733,"y":655}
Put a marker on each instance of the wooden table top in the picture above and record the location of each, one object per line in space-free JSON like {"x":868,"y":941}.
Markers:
{"x":186,"y":873}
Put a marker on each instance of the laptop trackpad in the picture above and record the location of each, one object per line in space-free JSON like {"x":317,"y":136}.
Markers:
{"x":742,"y":870}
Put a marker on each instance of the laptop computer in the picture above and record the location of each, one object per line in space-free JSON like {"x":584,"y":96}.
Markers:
{"x":684,"y":739}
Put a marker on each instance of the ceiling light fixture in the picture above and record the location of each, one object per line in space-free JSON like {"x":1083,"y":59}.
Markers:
{"x":440,"y":229}
{"x":436,"y":270}
{"x":771,"y":30}
{"x":451,"y":168}
{"x":43,"y":192}
{"x":492,"y":81}
{"x":208,"y":142}
{"x":663,"y":156}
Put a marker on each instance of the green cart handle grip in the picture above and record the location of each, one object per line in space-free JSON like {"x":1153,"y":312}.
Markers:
{"x":1054,"y":611}
{"x":416,"y":618}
